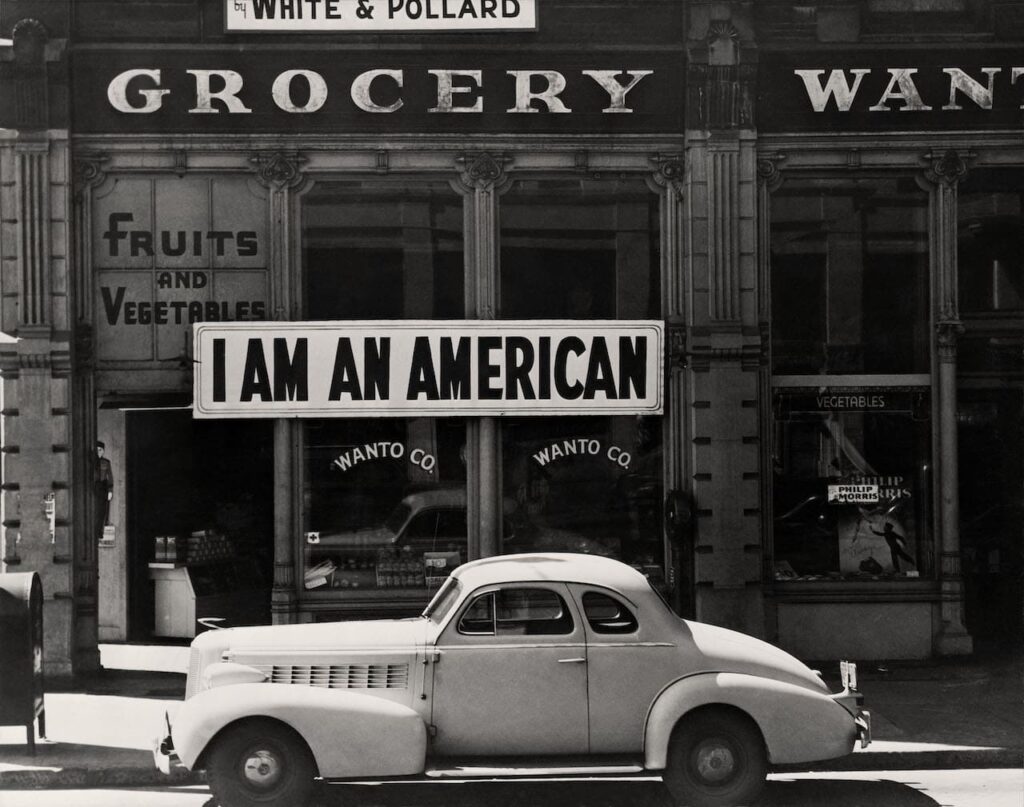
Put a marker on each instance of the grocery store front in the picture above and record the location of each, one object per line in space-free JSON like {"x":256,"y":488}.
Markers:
{"x":349,"y":195}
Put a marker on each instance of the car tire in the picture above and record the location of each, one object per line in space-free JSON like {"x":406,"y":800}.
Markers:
{"x":716,"y":758}
{"x":260,"y":763}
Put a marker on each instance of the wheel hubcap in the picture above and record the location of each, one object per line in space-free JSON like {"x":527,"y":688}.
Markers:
{"x":715,"y":761}
{"x":262,"y":769}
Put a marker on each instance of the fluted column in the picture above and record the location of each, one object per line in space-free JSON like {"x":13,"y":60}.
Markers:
{"x":281,"y":173}
{"x":482,"y":179}
{"x":941,"y":176}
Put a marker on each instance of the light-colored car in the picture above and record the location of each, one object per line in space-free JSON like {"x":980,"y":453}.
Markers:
{"x":538,"y":657}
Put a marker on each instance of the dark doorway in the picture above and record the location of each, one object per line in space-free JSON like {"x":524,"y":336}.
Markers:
{"x":186,"y":475}
{"x":991,"y":435}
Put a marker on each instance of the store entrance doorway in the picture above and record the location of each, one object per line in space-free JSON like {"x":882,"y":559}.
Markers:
{"x":199,"y":522}
{"x":991,"y":445}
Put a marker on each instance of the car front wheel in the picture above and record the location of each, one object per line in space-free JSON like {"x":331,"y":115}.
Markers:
{"x":716,"y":758}
{"x":260,"y":763}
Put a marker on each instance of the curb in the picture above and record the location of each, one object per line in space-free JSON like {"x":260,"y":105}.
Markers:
{"x":37,"y":779}
{"x":43,"y":779}
{"x":952,"y":759}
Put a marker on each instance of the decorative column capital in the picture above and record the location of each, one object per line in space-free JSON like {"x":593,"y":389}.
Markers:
{"x":947,"y":168}
{"x":279,"y":169}
{"x":88,"y":171}
{"x":669,"y":171}
{"x":481,"y":170}
{"x":769,"y":170}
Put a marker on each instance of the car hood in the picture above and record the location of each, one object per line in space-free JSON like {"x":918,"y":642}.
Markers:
{"x":359,"y":539}
{"x":724,"y":650}
{"x":375,"y":634}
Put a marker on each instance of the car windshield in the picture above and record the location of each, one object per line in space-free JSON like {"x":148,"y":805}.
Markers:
{"x":397,"y":518}
{"x":437,"y":609}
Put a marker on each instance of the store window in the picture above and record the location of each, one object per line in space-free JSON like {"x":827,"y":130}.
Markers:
{"x":851,"y":449}
{"x":849,"y":267}
{"x":582,"y":249}
{"x":384,"y":499}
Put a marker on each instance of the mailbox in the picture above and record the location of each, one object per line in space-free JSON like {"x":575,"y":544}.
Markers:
{"x":21,"y":659}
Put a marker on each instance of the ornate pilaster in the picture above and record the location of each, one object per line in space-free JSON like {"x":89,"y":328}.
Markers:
{"x":941,"y":176}
{"x":483,"y":178}
{"x":721,"y":80}
{"x":281,"y":174}
{"x":723,"y":166}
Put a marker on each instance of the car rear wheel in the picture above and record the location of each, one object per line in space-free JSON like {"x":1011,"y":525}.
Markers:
{"x":716,"y":758}
{"x":260,"y":763}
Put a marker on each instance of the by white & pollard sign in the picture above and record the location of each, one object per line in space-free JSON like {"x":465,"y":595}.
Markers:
{"x":378,"y":16}
{"x":420,"y":368}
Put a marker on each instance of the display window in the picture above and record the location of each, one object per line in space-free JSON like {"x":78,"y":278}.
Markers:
{"x":849,"y":277}
{"x":384,"y":499}
{"x":851,"y":450}
{"x":852,"y":484}
{"x":582,"y":249}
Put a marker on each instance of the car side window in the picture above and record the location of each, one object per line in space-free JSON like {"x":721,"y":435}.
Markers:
{"x":518,"y":612}
{"x":606,"y":614}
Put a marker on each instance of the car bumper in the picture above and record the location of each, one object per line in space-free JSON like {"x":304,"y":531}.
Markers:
{"x":164,"y":757}
{"x":863,"y":722}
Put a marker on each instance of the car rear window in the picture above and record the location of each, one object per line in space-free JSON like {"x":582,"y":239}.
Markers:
{"x":605,"y":614}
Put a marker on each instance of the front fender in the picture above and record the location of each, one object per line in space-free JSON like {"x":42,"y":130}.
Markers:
{"x":798,"y":724}
{"x":349,"y":733}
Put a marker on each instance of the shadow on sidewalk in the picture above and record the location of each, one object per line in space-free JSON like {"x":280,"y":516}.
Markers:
{"x":598,"y":793}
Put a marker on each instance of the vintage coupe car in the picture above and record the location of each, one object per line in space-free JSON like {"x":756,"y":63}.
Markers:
{"x":564,"y":659}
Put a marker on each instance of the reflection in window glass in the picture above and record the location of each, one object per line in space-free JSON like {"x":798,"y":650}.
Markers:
{"x":585,"y":484}
{"x":379,"y":250}
{"x":849,"y":276}
{"x":531,"y":612}
{"x":580,"y":249}
{"x":384,"y":503}
{"x":990,"y":211}
{"x":852,"y":485}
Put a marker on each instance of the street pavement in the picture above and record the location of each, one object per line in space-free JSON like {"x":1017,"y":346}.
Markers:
{"x":948,"y":714}
{"x":970,"y":788}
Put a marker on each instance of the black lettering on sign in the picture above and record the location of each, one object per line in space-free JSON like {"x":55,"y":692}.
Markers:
{"x":571,"y":344}
{"x":518,"y":364}
{"x":486,"y":370}
{"x":345,"y":377}
{"x":632,"y":366}
{"x":291,"y":373}
{"x":422,"y":378}
{"x":255,"y":378}
{"x":455,"y":369}
{"x":219,"y":394}
{"x":377,"y":368}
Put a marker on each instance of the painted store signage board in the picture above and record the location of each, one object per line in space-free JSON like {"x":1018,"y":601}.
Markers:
{"x":378,"y":16}
{"x":361,"y":91}
{"x":842,"y":89}
{"x":420,"y":368}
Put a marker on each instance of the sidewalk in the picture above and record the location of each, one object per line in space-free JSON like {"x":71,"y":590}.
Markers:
{"x":966,"y":713}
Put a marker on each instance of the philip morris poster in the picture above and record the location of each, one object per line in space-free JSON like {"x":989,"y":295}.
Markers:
{"x":428,"y":368}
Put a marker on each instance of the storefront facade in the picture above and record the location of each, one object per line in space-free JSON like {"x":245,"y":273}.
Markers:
{"x":596,"y":186}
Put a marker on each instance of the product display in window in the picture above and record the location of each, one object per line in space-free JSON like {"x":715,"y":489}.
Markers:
{"x":852,"y":485}
{"x":386,"y":504}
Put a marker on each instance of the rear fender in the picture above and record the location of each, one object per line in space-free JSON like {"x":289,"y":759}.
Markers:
{"x":349,"y":733}
{"x":798,"y":724}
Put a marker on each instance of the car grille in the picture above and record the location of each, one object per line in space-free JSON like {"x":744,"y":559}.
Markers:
{"x":195,"y":659}
{"x":339,"y":676}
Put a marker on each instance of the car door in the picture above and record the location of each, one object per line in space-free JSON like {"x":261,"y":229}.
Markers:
{"x":511,"y":675}
{"x":626,"y":667}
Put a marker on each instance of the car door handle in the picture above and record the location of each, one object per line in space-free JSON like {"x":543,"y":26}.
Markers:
{"x":577,"y":660}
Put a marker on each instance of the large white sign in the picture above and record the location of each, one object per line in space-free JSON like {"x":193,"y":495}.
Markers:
{"x":414,"y":368}
{"x":379,"y":15}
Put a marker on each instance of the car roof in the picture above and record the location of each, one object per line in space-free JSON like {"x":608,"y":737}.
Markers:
{"x":563,"y":567}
